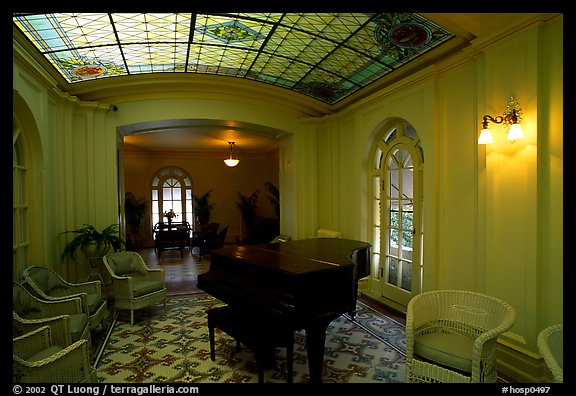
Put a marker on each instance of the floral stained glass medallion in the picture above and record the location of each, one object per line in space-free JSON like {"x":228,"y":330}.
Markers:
{"x":88,"y":71}
{"x":409,"y":34}
{"x":231,"y":32}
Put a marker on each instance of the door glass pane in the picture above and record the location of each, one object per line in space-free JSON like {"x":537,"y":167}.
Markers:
{"x":406,"y":282}
{"x":406,"y":160}
{"x":391,"y":135}
{"x":407,"y":245}
{"x":378,"y":158}
{"x":410,"y":132}
{"x":392,"y":162}
{"x":376,"y":187}
{"x":407,"y":183}
{"x":176,"y":193}
{"x":393,"y":183}
{"x":376,"y":244}
{"x":376,"y":214}
{"x":392,"y":271}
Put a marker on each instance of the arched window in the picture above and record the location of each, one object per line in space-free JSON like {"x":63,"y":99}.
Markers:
{"x":396,"y":177}
{"x":172,"y":190}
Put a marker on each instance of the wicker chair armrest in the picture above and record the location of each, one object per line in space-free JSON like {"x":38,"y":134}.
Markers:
{"x":118,"y":277}
{"x":91,"y":287}
{"x":77,"y":354}
{"x":70,"y":365}
{"x":155,"y":275}
{"x":123,"y":286}
{"x":32,"y":342}
{"x":62,"y":306}
{"x":491,"y":334}
{"x":59,"y":327}
{"x":81,"y":294}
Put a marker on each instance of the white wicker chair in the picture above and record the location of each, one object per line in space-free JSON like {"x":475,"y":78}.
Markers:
{"x":451,"y":336}
{"x":551,"y":346}
{"x":134,"y":285}
{"x":37,"y":359}
{"x":46,"y":284}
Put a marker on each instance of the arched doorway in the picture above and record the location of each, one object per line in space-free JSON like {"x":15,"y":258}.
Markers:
{"x":396,"y":202}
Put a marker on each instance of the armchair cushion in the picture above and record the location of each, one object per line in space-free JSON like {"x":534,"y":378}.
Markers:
{"x":48,"y":281}
{"x":451,"y":350}
{"x":78,"y":323}
{"x":124,"y":265}
{"x":95,"y":301}
{"x":45,"y":353}
{"x":143,"y":287}
{"x":23,"y":304}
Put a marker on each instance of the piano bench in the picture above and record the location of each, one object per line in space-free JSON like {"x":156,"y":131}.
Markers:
{"x":260,"y":334}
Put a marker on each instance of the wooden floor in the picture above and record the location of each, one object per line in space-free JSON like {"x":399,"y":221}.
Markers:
{"x":181,"y":274}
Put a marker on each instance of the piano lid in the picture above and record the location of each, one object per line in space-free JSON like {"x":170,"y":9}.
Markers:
{"x":297,"y":256}
{"x":331,"y":250}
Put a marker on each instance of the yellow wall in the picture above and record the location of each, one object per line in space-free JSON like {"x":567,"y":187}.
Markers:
{"x":493,"y":215}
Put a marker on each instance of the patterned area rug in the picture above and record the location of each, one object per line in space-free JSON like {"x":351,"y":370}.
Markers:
{"x":175,"y":349}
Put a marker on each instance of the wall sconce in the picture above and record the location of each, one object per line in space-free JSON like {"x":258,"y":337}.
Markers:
{"x":511,"y":120}
{"x":233,"y":160}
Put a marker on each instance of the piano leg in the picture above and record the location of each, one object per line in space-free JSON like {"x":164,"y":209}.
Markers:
{"x":354,"y":307}
{"x":315,"y":339}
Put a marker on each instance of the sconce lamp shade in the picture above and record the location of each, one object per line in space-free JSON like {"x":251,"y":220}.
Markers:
{"x":485,"y":137}
{"x":510,"y":119}
{"x":233,"y":160}
{"x":515,"y":132}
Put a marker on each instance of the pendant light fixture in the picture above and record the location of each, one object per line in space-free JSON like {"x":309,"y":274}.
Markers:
{"x":233,"y":160}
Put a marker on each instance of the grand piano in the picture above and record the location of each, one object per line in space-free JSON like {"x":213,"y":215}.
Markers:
{"x":304,"y":284}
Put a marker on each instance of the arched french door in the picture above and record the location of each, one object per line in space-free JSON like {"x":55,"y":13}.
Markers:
{"x":396,"y":173}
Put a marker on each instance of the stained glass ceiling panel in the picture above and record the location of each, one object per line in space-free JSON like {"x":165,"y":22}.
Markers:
{"x":325,"y":56}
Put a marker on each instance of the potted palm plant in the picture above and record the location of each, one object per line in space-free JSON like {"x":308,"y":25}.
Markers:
{"x":134,"y":210}
{"x":248,"y":206}
{"x":93,"y":243}
{"x":202,"y":208}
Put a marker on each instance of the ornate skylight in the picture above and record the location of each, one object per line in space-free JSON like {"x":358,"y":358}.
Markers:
{"x":325,"y":56}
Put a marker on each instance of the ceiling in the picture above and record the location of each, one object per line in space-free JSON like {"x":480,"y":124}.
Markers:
{"x":327,"y":56}
{"x":330,"y":57}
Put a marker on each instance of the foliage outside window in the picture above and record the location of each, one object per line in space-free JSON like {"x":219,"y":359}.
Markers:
{"x":407,"y":218}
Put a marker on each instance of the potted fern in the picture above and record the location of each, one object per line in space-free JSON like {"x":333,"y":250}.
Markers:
{"x":93,"y":243}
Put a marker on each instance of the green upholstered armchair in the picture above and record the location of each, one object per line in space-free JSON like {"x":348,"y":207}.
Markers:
{"x":37,"y":358}
{"x":64,"y":317}
{"x":46,"y":284}
{"x":550,"y":344}
{"x":134,"y":285}
{"x":451,"y":336}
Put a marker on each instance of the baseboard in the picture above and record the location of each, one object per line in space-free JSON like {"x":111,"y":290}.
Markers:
{"x":384,"y":301}
{"x":522,"y":367}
